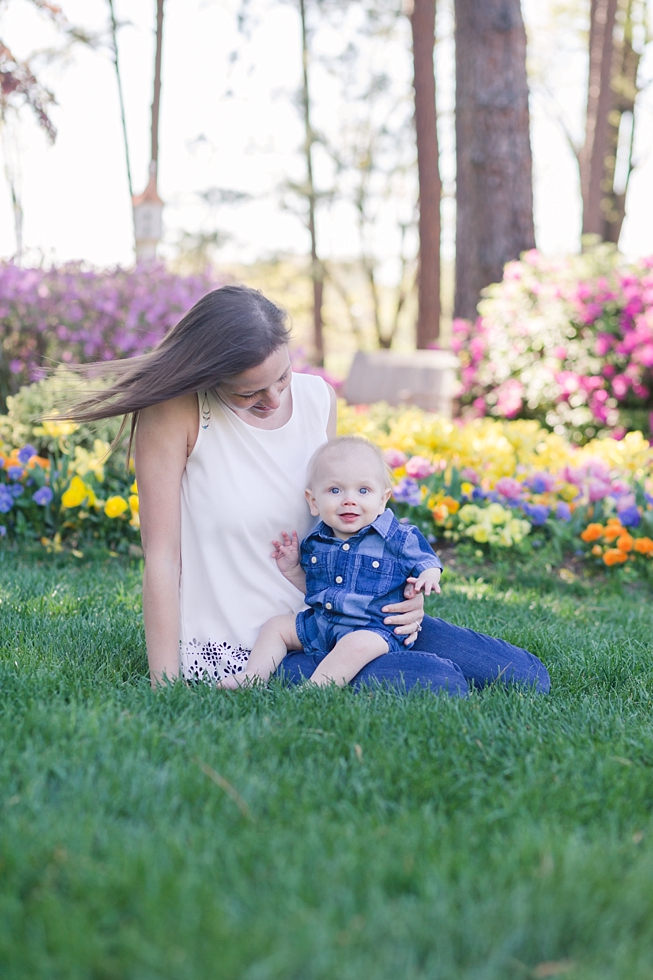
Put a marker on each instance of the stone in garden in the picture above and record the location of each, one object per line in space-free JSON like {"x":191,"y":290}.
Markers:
{"x":426,"y":378}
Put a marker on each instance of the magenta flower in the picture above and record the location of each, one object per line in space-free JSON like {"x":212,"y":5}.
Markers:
{"x":394,"y":458}
{"x":508,"y":487}
{"x":418,"y":467}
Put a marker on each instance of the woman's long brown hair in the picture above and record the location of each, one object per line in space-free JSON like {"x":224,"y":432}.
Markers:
{"x":228,"y":331}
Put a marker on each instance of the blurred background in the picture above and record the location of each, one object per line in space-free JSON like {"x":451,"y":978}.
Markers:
{"x":285,"y":147}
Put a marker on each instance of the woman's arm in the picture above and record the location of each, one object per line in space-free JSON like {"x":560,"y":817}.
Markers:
{"x":165,"y":435}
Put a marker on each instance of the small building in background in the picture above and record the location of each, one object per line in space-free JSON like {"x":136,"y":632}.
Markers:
{"x":148,"y":221}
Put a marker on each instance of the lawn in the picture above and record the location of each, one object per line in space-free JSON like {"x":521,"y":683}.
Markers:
{"x":319,"y":834}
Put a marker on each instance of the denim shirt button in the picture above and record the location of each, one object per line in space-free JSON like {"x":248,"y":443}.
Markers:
{"x":313,"y":560}
{"x":375,"y":564}
{"x":338,"y":579}
{"x":345,"y":547}
{"x":327,"y":605}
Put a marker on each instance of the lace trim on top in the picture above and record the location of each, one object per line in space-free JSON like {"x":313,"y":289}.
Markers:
{"x":212,"y":660}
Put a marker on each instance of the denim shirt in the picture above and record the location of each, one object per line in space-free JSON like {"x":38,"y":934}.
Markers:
{"x":349,"y":581}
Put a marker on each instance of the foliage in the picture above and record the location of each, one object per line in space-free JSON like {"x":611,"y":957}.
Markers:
{"x":566,"y":341}
{"x":413,"y":837}
{"x":25,"y":409}
{"x":72,"y":314}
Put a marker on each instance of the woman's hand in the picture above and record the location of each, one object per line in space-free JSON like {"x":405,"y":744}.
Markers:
{"x":406,"y":616}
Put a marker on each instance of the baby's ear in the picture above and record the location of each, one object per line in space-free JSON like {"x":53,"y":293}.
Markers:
{"x":312,"y":503}
{"x":386,"y":497}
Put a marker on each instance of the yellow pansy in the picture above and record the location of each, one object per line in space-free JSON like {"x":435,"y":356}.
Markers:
{"x":56,"y":429}
{"x":115,"y":506}
{"x":91,"y":462}
{"x":77,"y":493}
{"x":133,"y":504}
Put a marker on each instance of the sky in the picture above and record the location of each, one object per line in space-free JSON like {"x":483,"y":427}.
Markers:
{"x":233,"y":124}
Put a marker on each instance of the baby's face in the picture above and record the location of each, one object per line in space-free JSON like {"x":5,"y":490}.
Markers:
{"x":348,"y":494}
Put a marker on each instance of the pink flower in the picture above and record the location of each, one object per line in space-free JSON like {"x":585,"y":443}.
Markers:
{"x":419,"y":467}
{"x":467,"y":473}
{"x":620,"y":385}
{"x":603,"y":344}
{"x":645,"y":355}
{"x":394,"y":458}
{"x":597,"y":489}
{"x":560,"y":353}
{"x":509,"y":398}
{"x":508,"y":487}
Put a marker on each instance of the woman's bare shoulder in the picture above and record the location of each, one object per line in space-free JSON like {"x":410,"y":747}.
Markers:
{"x":174,"y":419}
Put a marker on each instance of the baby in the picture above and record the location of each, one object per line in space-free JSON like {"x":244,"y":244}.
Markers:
{"x":358,"y":559}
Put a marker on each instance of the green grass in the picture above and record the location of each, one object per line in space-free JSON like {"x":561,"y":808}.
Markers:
{"x":318,"y":834}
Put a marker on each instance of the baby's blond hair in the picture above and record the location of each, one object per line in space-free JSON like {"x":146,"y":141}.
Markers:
{"x":344,"y":447}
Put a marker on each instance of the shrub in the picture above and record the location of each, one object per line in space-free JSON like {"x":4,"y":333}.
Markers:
{"x":566,"y":341}
{"x":74,"y":314}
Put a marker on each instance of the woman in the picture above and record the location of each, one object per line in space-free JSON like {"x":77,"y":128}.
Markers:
{"x":223,"y":434}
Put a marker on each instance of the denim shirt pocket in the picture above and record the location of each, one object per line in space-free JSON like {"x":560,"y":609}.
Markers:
{"x":372,"y":576}
{"x":319,"y":571}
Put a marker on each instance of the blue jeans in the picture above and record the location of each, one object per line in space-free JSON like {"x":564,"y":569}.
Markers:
{"x":472,"y":658}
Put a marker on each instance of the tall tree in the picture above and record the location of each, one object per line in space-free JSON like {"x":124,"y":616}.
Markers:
{"x":494,"y":189}
{"x":310,"y":193}
{"x":605,"y":159}
{"x":148,"y":206}
{"x":428,"y":167}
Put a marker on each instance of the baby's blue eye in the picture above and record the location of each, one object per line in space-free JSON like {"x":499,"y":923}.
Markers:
{"x":334,"y":490}
{"x":363,"y":490}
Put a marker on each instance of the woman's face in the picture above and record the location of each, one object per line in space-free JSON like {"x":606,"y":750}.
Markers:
{"x":260,"y":390}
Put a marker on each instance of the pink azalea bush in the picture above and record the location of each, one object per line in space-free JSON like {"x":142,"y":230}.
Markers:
{"x":567,"y":341}
{"x":75,"y":314}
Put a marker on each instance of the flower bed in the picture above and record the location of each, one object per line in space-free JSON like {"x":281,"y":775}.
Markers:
{"x":73,"y":314}
{"x":485,"y":484}
{"x":514,"y":485}
{"x":567,"y":341}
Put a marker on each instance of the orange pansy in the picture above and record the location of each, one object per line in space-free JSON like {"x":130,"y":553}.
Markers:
{"x":614,"y":556}
{"x":644,"y":546}
{"x":592,"y":532}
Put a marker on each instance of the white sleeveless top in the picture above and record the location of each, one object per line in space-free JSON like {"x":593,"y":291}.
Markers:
{"x":241,"y":488}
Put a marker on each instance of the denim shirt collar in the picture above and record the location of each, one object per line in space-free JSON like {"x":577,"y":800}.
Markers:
{"x":381,"y":525}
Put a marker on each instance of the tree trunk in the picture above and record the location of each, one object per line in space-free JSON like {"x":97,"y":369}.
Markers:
{"x":121,"y":98}
{"x":317,"y":269}
{"x":605,"y":159}
{"x":428,"y":166}
{"x":593,"y":154}
{"x":156,"y":100}
{"x":494,"y":221}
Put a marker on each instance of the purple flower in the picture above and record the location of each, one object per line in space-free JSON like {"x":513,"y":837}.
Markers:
{"x":3,"y":530}
{"x":407,"y":492}
{"x":26,"y":453}
{"x":541,"y":482}
{"x":16,"y":490}
{"x":43,"y":496}
{"x":6,"y":500}
{"x":15,"y":472}
{"x":630,"y":517}
{"x":536,"y":513}
{"x":563,"y":511}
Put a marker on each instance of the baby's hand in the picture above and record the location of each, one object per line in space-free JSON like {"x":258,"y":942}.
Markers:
{"x":286,"y":552}
{"x":428,"y":580}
